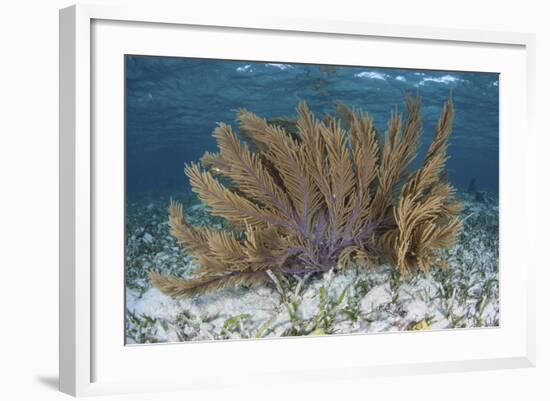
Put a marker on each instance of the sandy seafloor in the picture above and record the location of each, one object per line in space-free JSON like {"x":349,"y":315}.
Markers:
{"x":355,"y":300}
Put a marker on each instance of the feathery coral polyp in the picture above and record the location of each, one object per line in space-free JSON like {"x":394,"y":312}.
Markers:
{"x":331,"y":193}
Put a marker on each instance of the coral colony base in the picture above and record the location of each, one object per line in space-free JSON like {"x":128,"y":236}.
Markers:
{"x":313,"y":227}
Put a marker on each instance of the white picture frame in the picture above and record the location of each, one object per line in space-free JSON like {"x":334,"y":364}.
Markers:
{"x":93,"y":358}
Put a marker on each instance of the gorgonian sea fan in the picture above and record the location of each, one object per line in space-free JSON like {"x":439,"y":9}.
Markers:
{"x":317,"y":195}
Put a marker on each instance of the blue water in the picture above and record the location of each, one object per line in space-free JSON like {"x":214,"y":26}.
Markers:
{"x":173,"y":104}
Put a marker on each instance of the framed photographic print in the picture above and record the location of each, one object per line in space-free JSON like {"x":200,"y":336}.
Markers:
{"x":337,"y":192}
